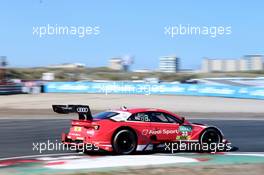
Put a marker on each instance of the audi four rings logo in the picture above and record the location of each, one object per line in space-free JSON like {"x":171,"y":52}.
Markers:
{"x":82,"y":109}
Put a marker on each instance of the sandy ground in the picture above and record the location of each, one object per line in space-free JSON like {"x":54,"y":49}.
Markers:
{"x":40,"y":104}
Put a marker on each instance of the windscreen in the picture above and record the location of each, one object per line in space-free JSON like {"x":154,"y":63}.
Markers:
{"x":104,"y":115}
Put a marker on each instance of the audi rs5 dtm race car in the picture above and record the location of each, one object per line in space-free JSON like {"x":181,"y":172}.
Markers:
{"x":125,"y":131}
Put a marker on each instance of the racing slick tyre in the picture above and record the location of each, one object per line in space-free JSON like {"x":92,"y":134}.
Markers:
{"x":210,"y":139}
{"x":124,"y":142}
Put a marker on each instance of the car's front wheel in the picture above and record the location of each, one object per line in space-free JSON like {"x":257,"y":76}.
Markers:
{"x":210,"y":139}
{"x":124,"y":142}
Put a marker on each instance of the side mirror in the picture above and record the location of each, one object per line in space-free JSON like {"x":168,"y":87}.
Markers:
{"x":183,"y":119}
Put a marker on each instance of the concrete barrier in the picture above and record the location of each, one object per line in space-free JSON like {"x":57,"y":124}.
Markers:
{"x":11,"y":89}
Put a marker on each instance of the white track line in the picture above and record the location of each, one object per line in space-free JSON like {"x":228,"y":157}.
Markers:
{"x":120,"y":161}
{"x":261,"y":154}
{"x":257,"y":154}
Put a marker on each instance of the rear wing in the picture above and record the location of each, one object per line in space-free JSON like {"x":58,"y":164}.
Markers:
{"x":83,"y":111}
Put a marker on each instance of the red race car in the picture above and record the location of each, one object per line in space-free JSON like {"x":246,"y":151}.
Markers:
{"x":125,"y":131}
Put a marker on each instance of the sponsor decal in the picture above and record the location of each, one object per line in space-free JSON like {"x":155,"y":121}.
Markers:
{"x":185,"y":128}
{"x":159,"y":131}
{"x":183,"y":137}
{"x":73,"y":134}
{"x":82,"y":109}
{"x":77,"y":128}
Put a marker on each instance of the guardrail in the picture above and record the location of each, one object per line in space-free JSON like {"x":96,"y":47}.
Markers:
{"x":159,"y":88}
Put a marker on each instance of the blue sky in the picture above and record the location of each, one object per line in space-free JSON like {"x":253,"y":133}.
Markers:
{"x":128,"y":28}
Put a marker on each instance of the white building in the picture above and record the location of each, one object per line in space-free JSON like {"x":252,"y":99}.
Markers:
{"x":230,"y":65}
{"x":256,"y":62}
{"x":169,"y":64}
{"x":48,"y":76}
{"x":243,"y":64}
{"x":247,"y":63}
{"x":116,"y":64}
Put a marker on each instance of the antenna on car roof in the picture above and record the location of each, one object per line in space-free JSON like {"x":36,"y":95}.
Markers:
{"x":124,"y":108}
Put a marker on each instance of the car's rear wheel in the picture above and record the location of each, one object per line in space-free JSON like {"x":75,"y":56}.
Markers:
{"x":124,"y":142}
{"x":210,"y":138}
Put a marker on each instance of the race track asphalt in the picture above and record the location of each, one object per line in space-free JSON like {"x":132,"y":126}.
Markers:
{"x":18,"y":135}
